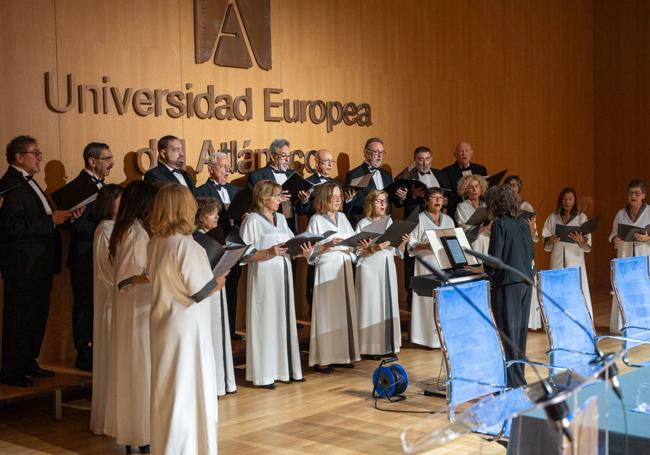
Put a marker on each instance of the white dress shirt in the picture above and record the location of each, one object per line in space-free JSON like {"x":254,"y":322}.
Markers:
{"x":37,"y":189}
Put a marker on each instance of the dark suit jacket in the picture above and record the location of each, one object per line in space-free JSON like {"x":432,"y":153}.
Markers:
{"x":354,"y":210}
{"x":160,"y":173}
{"x":308,"y":208}
{"x":266,"y":173}
{"x":454,"y":174}
{"x":209,"y":189}
{"x":29,"y":242}
{"x":411,"y":204}
{"x":82,"y":233}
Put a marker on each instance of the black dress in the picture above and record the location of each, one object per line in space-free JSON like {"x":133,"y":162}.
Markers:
{"x":511,"y":242}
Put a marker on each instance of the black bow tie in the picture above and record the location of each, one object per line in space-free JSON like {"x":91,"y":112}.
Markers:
{"x":29,"y":177}
{"x":276,"y":171}
{"x":96,"y":180}
{"x":372,"y":169}
{"x":218,"y":186}
{"x":177,"y":171}
{"x":425,"y":173}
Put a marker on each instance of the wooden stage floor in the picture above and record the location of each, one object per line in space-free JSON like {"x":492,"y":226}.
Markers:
{"x":326,"y":414}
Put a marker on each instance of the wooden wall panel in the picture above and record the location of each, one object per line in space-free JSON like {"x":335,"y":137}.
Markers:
{"x":513,"y":78}
{"x":622,"y":110}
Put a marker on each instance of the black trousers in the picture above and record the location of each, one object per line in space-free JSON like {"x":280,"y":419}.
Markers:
{"x":409,"y":271}
{"x":26,"y":307}
{"x":511,"y":308}
{"x":232,"y":283}
{"x":81,"y":279}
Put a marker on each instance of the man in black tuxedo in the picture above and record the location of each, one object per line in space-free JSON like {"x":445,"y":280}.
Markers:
{"x":374,"y":153}
{"x":463,"y":166}
{"x":98,"y":162}
{"x":217,"y":186}
{"x":30,"y":255}
{"x":324,"y":164}
{"x":171,"y":160}
{"x":277,"y":170}
{"x":432,"y":178}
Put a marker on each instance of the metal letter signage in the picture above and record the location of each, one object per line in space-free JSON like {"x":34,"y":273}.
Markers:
{"x":217,"y":25}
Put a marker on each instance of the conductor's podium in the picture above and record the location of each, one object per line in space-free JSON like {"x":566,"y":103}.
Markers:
{"x":424,"y":285}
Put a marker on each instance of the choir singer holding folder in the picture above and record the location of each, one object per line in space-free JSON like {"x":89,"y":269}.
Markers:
{"x":630,"y":235}
{"x":29,"y":257}
{"x":277,"y":170}
{"x":570,"y":250}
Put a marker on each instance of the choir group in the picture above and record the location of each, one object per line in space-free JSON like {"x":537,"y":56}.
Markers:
{"x":162,"y":322}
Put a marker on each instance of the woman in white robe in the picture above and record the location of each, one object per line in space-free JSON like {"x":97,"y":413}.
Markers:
{"x":423,"y":326}
{"x":515,"y":184}
{"x":635,"y":213}
{"x":334,"y":340}
{"x":105,"y":210}
{"x":183,"y":379}
{"x":272,"y":350}
{"x":207,"y":218}
{"x":130,"y":363}
{"x":376,"y":286}
{"x":566,"y":254}
{"x":472,"y":188}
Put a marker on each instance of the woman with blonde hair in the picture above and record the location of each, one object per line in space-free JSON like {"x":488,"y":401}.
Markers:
{"x":472,"y":188}
{"x":207,"y":218}
{"x":333,"y":339}
{"x":376,"y":285}
{"x":183,"y":378}
{"x":272,"y":350}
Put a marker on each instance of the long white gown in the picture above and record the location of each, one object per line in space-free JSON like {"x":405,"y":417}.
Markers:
{"x":377,"y":300}
{"x":183,"y":377}
{"x":272,"y":350}
{"x":564,"y":254}
{"x":131,"y":370}
{"x":101,"y":417}
{"x":423,"y":326}
{"x":628,"y":249}
{"x":334,"y":336}
{"x":225,"y":368}
{"x":464,"y":211}
{"x":535,"y":318}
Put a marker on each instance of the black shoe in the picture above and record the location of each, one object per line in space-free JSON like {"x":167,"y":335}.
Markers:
{"x":16,"y":381}
{"x":128,"y":449}
{"x":145,"y":449}
{"x":231,"y":393}
{"x":324,"y":370}
{"x":267,"y":386}
{"x":39,"y":372}
{"x":373,"y":357}
{"x":344,"y":365}
{"x":236,"y":337}
{"x":297,"y":380}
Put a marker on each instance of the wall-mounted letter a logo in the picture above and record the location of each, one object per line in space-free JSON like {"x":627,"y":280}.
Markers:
{"x":218,"y":24}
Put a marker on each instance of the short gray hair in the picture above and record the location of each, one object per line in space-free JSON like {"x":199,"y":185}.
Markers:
{"x":277,"y":144}
{"x":215,"y":156}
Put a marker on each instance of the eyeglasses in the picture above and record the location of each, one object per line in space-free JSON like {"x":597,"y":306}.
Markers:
{"x":376,"y":152}
{"x":103,"y":158}
{"x":36,"y":153}
{"x":635,"y":193}
{"x":380,"y":201}
{"x":276,"y":196}
{"x":283,"y":156}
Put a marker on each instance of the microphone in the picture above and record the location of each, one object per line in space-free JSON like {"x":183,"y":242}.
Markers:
{"x":558,"y":412}
{"x":612,"y":370}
